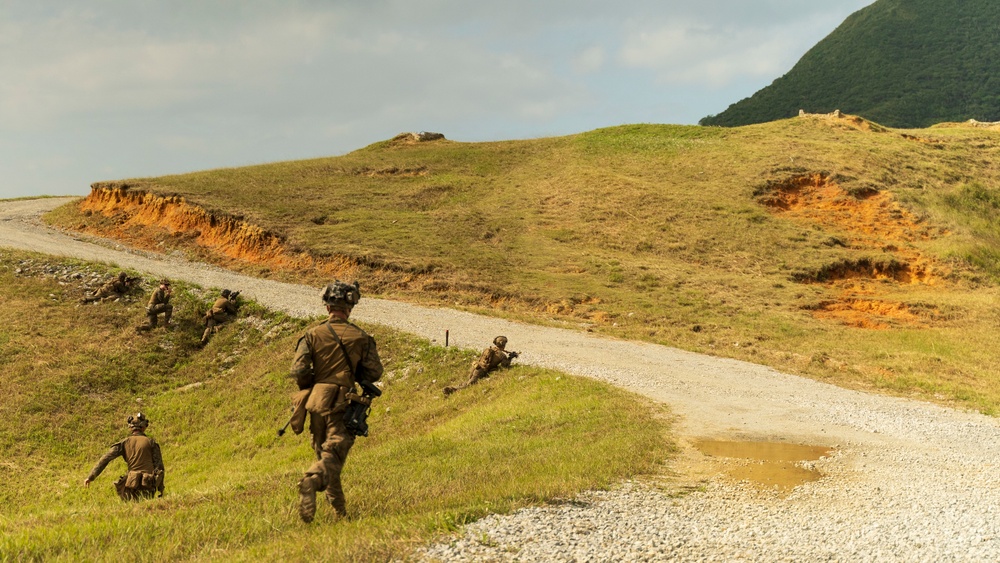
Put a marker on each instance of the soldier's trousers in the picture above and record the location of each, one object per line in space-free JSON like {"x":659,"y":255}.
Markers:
{"x":475,"y":375}
{"x":100,"y":296}
{"x":152,"y":312}
{"x":332,"y":442}
{"x":211,"y":322}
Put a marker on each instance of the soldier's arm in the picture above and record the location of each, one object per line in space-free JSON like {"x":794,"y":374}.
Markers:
{"x":117,"y":450}
{"x":302,"y":364}
{"x":157,"y":458}
{"x":371,"y":364}
{"x":503,"y":359}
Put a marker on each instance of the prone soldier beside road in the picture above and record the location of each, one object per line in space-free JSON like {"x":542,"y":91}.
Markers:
{"x":141,"y":453}
{"x":222,"y":311}
{"x":114,"y":289}
{"x":491,"y":359}
{"x":329,"y":360}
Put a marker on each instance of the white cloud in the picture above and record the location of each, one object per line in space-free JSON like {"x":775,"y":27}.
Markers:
{"x":692,"y":53}
{"x":590,"y":60}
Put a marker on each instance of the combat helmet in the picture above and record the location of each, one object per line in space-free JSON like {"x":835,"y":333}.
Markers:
{"x":137,"y":421}
{"x":341,"y":294}
{"x":500,"y":341}
{"x":226,"y":293}
{"x":121,"y":276}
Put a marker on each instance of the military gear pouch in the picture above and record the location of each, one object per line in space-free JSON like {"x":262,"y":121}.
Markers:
{"x":325,"y":397}
{"x":298,"y":420}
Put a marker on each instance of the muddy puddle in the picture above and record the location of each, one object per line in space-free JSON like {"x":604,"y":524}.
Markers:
{"x":769,"y":464}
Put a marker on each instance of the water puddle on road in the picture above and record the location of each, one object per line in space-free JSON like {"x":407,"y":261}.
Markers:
{"x":770,"y":464}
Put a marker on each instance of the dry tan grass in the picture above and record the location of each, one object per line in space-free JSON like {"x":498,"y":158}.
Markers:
{"x":879,"y":275}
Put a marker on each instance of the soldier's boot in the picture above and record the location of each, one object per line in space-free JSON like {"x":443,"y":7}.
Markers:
{"x":307,"y":498}
{"x":449,"y":390}
{"x":150,"y":324}
{"x":166,"y":317}
{"x":335,"y":495}
{"x":205,"y":335}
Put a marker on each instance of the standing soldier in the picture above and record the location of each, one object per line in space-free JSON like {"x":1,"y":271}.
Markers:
{"x":491,"y":359}
{"x":330,"y":359}
{"x":142,"y":456}
{"x":223,"y":310}
{"x":159,"y":302}
{"x":113,"y":289}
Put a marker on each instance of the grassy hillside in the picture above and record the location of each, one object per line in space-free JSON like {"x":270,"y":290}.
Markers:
{"x":903,"y":63}
{"x":72,"y":373}
{"x":831,"y":247}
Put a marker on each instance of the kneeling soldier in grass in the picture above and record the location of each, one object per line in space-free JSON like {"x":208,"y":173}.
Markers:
{"x":159,"y":302}
{"x":491,"y":359}
{"x":142,"y":456}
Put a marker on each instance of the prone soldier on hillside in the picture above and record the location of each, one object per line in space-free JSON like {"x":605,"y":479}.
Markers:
{"x":491,"y":359}
{"x":329,"y":360}
{"x":144,"y":476}
{"x":222,"y":311}
{"x":114,"y":289}
{"x":159,"y":302}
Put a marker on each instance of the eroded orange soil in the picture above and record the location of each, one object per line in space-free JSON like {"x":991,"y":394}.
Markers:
{"x":868,"y":221}
{"x":232,"y":238}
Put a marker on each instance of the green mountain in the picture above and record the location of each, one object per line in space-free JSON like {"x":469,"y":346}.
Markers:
{"x":901,"y":63}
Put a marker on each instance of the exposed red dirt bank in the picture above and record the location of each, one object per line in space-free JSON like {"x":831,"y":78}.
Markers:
{"x":233,"y":238}
{"x":871,"y":220}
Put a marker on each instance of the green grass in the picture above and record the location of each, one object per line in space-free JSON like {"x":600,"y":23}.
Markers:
{"x":650,"y":232}
{"x":71,"y":374}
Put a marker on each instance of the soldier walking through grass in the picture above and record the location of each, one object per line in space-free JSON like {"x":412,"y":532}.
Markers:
{"x":222,"y":311}
{"x":159,"y":302}
{"x":330,"y":359}
{"x":491,"y":359}
{"x":114,"y":289}
{"x":144,"y":476}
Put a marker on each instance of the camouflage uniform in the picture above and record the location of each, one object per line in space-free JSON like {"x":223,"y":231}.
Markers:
{"x":324,"y":359}
{"x":159,"y":302}
{"x":113,"y":289}
{"x":145,"y":465}
{"x":491,"y":359}
{"x":223,"y":310}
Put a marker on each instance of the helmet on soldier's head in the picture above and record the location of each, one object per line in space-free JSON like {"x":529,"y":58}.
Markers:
{"x":121,"y":276}
{"x":137,"y":420}
{"x":500,"y":341}
{"x":340,"y":294}
{"x":226,"y":293}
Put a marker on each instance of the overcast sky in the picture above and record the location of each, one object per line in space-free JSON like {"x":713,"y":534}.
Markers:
{"x":103,"y":90}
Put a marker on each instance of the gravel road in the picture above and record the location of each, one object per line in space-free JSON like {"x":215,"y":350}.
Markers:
{"x":906,"y":481}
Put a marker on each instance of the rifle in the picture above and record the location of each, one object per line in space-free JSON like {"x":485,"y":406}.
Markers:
{"x":356,"y":415}
{"x":512,"y":354}
{"x":281,"y":431}
{"x":233,"y":295}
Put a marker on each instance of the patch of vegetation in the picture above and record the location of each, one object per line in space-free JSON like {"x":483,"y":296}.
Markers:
{"x":901,"y":63}
{"x":71,"y":373}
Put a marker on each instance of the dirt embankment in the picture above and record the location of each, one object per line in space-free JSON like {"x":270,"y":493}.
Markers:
{"x":142,"y":219}
{"x":126,"y":212}
{"x":874,"y":223}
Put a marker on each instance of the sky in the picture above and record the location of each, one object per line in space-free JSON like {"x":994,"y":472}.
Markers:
{"x":95,"y":90}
